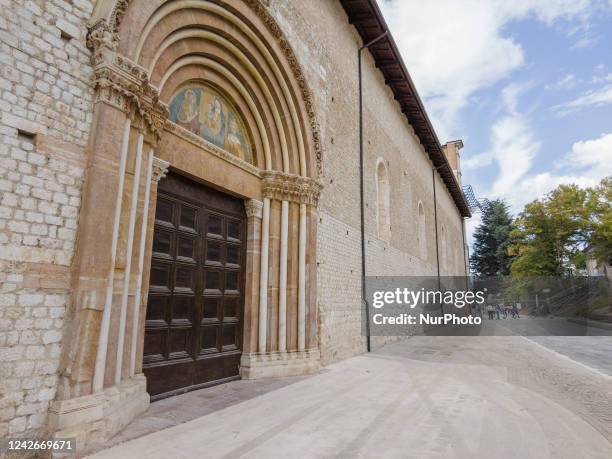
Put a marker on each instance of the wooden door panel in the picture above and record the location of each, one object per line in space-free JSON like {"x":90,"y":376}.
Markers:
{"x":193,"y":328}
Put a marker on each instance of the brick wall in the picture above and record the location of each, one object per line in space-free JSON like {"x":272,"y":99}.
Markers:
{"x":45,"y":104}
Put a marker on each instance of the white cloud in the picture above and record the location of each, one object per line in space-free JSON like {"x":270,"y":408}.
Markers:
{"x":602,"y":78}
{"x":585,"y":165}
{"x":453,"y":48}
{"x":567,"y":82}
{"x":592,"y":98}
{"x":594,"y":155}
{"x":514,"y":147}
{"x":538,"y":185}
{"x":476,"y":161}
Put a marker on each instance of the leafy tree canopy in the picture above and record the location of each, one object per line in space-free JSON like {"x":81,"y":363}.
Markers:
{"x":552,"y":234}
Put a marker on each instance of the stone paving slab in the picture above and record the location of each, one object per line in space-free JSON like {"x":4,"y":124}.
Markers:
{"x":429,"y":397}
{"x":182,"y":408}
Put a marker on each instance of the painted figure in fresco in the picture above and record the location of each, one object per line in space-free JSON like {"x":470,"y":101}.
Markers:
{"x":187,"y":114}
{"x":233,"y":142}
{"x":212,"y":121}
{"x":203,"y":112}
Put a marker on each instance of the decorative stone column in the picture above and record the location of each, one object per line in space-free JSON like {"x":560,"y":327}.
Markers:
{"x":159,"y":169}
{"x":254,"y":213}
{"x":296,"y":354}
{"x":100,"y":391}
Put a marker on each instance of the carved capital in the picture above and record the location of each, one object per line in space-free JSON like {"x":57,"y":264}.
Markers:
{"x":123,"y":83}
{"x":290,"y":187}
{"x":102,"y":41}
{"x":253,"y":208}
{"x":160,"y":169}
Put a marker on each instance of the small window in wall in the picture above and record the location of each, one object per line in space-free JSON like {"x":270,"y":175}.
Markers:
{"x":383,"y":201}
{"x":421,"y":232}
{"x":206,"y":112}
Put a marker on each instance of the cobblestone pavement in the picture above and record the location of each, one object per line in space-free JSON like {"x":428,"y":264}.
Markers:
{"x":567,"y":383}
{"x":593,"y":351}
{"x":427,"y":397}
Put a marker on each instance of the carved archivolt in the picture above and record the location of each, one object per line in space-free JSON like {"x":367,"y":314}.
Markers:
{"x":290,"y":187}
{"x":117,"y":13}
{"x":262,"y":12}
{"x":103,"y":39}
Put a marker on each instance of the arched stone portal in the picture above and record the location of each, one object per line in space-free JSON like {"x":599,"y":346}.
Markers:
{"x":246,"y":130}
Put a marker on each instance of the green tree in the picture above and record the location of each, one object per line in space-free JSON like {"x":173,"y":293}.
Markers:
{"x":601,"y":237}
{"x":552,"y":233}
{"x":491,"y":239}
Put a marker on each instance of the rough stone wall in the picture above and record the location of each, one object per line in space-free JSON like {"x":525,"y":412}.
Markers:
{"x":45,"y":104}
{"x":326,"y":46}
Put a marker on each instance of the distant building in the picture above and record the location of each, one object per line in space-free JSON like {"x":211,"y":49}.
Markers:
{"x":597,"y":268}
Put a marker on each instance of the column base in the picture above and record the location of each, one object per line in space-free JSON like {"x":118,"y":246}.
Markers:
{"x":93,"y":419}
{"x":279,"y":364}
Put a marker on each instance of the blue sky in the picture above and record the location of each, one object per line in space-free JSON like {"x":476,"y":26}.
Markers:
{"x":527,"y":85}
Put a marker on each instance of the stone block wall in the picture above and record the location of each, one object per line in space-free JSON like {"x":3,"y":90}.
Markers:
{"x":46,"y":103}
{"x":326,"y":46}
{"x":339,"y":289}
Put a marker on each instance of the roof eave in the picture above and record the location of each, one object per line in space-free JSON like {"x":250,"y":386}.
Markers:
{"x":367,"y":18}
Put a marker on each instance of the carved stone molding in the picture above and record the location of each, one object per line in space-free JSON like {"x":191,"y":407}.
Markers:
{"x":123,"y":83}
{"x":108,"y":35}
{"x":117,"y":13}
{"x":102,"y":41}
{"x":290,"y":187}
{"x":210,"y":147}
{"x":160,"y":169}
{"x":253,"y":208}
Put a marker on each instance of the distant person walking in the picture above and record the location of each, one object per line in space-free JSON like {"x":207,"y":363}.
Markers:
{"x":490,"y":311}
{"x":515,"y":311}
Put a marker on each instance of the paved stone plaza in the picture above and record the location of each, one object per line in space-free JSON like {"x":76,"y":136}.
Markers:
{"x":427,"y":397}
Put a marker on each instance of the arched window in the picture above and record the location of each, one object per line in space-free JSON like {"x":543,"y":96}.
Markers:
{"x":383,"y":201}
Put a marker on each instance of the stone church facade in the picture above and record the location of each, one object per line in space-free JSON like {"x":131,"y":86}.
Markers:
{"x":180,"y":198}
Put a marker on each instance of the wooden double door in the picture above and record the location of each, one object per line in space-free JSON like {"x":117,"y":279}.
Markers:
{"x":193,"y":327}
